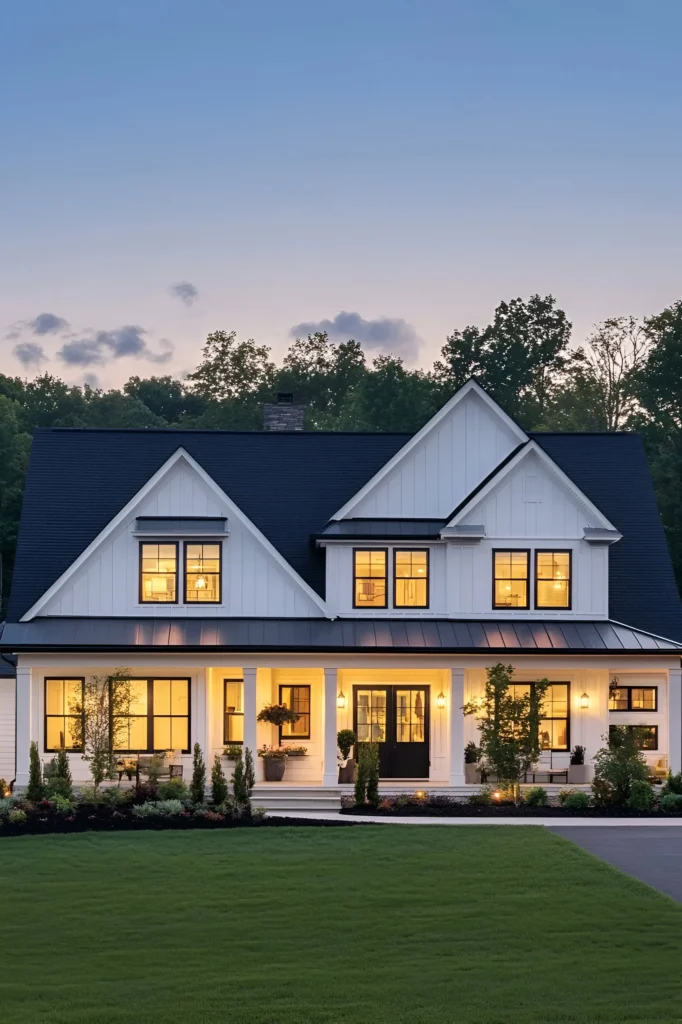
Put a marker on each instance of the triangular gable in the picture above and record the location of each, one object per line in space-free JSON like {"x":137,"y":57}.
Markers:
{"x":137,"y":504}
{"x":442,"y":463}
{"x":530,"y":478}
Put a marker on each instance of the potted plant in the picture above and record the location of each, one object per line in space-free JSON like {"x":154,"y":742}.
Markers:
{"x":295,"y":751}
{"x":345,"y":740}
{"x":471,"y":755}
{"x":579,"y":773}
{"x":232,"y":751}
{"x":274,"y":763}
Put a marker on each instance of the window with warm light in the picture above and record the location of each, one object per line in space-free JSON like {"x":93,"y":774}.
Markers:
{"x":552,"y":579}
{"x":64,"y":714}
{"x":510,"y":579}
{"x":158,"y":573}
{"x":202,"y":573}
{"x":234,"y":711}
{"x":369,"y":578}
{"x":296,"y":698}
{"x":554,"y":725}
{"x":411,"y":579}
{"x":633,"y":698}
{"x":152,"y":715}
{"x":645,"y":736}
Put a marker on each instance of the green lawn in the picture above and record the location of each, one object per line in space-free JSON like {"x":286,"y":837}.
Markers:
{"x":355,"y":925}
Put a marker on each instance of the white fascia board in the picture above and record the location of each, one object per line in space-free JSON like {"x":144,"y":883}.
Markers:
{"x":531,"y":448}
{"x":121,"y":516}
{"x":471,"y":385}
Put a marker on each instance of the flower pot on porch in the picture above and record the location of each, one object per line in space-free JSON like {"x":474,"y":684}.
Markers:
{"x":273,"y":768}
{"x":580,"y":774}
{"x":347,"y":771}
{"x":471,"y":773}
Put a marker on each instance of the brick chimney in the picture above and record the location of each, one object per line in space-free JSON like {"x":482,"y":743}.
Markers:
{"x":284,"y":414}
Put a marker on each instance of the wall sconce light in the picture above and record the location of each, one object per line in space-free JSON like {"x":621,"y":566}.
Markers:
{"x":585,"y":701}
{"x":440,"y":700}
{"x":340,"y":699}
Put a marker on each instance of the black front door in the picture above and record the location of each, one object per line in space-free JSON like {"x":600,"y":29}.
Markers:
{"x":397,"y":718}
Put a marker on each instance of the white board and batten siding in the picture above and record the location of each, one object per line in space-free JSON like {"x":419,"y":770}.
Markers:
{"x":7,"y":728}
{"x":254,"y":583}
{"x":444,"y":466}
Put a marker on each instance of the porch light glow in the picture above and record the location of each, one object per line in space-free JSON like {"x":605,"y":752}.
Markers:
{"x":497,"y":794}
{"x":585,"y":701}
{"x":440,"y":700}
{"x":340,"y":699}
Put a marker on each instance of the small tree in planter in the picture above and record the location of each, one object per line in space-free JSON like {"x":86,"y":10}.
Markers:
{"x":274,"y":763}
{"x":345,"y":740}
{"x":509,"y":726}
{"x":471,"y":756}
{"x":274,"y":760}
{"x":578,"y":771}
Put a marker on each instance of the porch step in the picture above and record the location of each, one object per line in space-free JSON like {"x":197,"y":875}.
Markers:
{"x":274,"y":796}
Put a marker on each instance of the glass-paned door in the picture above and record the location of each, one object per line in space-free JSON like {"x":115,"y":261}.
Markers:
{"x":397,"y":718}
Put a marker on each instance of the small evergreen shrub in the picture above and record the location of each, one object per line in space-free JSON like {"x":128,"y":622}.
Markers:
{"x":616,"y":768}
{"x":536,"y":796}
{"x":158,"y":809}
{"x":173,"y":789}
{"x":198,"y":784}
{"x":641,"y":796}
{"x":483,"y":798}
{"x":367,"y":775}
{"x":345,"y":741}
{"x":258,"y":813}
{"x":243,"y":780}
{"x":673,"y":784}
{"x":17,"y":816}
{"x":114,"y":796}
{"x":60,"y":804}
{"x":576,"y":800}
{"x":218,"y":782}
{"x":671,"y":803}
{"x":36,"y":787}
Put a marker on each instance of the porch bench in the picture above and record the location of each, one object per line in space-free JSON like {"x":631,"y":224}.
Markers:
{"x":553,"y":774}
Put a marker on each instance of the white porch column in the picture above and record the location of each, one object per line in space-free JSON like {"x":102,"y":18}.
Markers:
{"x":201,"y":730}
{"x":250,"y":712}
{"x":24,"y":715}
{"x":330,"y":769}
{"x":674,"y":719}
{"x":457,"y":727}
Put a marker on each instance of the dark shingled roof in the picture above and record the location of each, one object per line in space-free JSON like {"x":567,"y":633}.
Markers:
{"x":291,"y":484}
{"x":414,"y":636}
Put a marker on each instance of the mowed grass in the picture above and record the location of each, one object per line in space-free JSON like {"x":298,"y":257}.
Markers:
{"x":369,"y":924}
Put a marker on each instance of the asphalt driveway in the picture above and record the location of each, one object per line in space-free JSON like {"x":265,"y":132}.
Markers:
{"x":650,"y":853}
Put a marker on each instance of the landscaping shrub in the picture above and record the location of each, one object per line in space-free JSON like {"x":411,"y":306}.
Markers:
{"x":671,"y":803}
{"x":218,"y":782}
{"x":60,"y":804}
{"x":114,"y":796}
{"x":673,"y":784}
{"x":243,"y":780}
{"x":172,"y":789}
{"x":159,"y":809}
{"x":36,"y":787}
{"x":641,"y":796}
{"x":207,"y":814}
{"x":367,"y":775}
{"x":89,"y":794}
{"x":576,"y":800}
{"x":536,"y":796}
{"x":483,"y":798}
{"x":616,"y":767}
{"x":59,"y":780}
{"x":16,"y":816}
{"x":6,"y":805}
{"x":198,"y":784}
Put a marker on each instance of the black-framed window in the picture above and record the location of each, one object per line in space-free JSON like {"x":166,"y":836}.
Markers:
{"x":155,"y":717}
{"x":633,"y":698}
{"x":370,"y":589}
{"x":646,"y":736}
{"x":203,"y":565}
{"x":553,"y":579}
{"x":296,"y":698}
{"x":511,"y":578}
{"x":411,"y":578}
{"x":555,"y":732}
{"x":233,"y":726}
{"x":64,"y":700}
{"x":158,"y":573}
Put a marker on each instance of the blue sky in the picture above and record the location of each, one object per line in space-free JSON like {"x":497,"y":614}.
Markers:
{"x":411,"y":163}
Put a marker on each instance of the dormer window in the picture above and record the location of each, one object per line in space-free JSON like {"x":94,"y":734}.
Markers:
{"x":552,"y":579}
{"x":158,"y":573}
{"x":369,"y":578}
{"x":202,"y":573}
{"x":510,"y":579}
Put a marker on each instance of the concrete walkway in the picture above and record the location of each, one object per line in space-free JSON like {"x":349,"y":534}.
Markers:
{"x":570,"y":824}
{"x":652,"y":853}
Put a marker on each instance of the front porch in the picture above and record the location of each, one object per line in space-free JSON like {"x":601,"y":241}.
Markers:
{"x":411,"y":707}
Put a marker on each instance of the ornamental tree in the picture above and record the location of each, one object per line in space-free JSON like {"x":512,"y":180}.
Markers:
{"x":509,"y":725}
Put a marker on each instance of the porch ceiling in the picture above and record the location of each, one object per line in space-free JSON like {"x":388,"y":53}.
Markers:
{"x":310,"y":635}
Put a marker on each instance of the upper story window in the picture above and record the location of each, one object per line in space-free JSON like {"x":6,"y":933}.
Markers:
{"x":202,"y":573}
{"x":633,"y":698}
{"x":510,"y":579}
{"x":411,"y":579}
{"x":158,"y":573}
{"x":369,"y":578}
{"x":552,"y":579}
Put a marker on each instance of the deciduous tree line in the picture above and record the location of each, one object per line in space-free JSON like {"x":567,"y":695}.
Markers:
{"x":626,"y":376}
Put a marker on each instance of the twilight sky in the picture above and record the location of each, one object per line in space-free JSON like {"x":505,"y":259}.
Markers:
{"x":393,"y":169}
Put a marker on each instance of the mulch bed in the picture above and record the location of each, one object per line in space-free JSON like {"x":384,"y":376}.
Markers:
{"x":502,"y":811}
